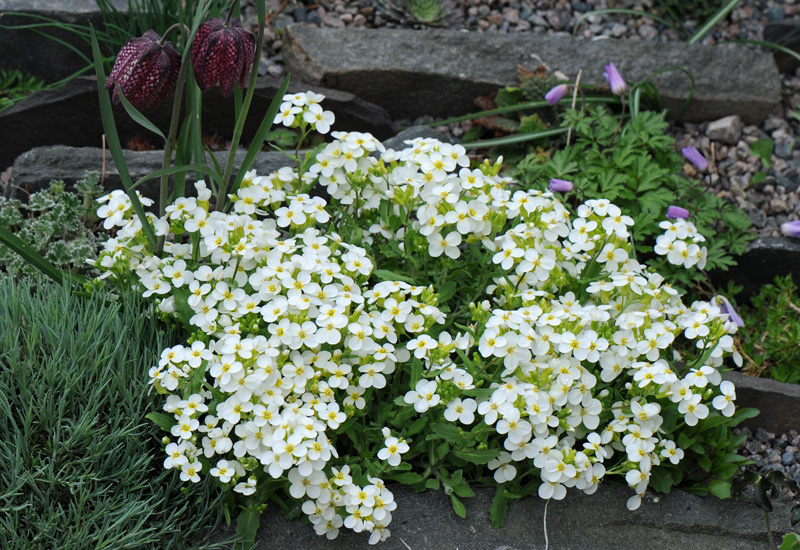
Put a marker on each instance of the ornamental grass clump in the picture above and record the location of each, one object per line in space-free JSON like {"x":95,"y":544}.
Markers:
{"x":429,"y":324}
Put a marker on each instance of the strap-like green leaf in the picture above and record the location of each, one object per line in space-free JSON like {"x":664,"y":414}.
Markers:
{"x":261,"y":134}
{"x":36,"y":260}
{"x":112,"y":139}
{"x":138,"y":117}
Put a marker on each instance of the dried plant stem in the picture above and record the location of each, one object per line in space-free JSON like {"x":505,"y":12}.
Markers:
{"x":574,"y":101}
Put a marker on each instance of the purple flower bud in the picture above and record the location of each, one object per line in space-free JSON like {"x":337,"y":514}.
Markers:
{"x":222,"y":54}
{"x":675,"y":212}
{"x":556,"y":94}
{"x":693,"y":155}
{"x":726,"y":307}
{"x":791,"y":229}
{"x":615,"y":81}
{"x":145,"y":71}
{"x":560,"y":186}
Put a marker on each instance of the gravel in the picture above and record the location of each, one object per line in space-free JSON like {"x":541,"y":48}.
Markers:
{"x":769,"y":203}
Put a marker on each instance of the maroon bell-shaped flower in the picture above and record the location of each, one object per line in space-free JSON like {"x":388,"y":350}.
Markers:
{"x":222,"y":54}
{"x":146,"y":70}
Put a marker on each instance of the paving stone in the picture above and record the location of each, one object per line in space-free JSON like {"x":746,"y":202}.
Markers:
{"x":579,"y":522}
{"x":34,"y":169}
{"x":440,"y":72}
{"x":777,"y":401}
{"x":69,"y":115}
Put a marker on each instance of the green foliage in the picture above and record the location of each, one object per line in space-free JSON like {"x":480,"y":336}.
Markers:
{"x":763,"y":150}
{"x":637,"y":168}
{"x":57,"y":224}
{"x":770,"y":338}
{"x":428,"y":13}
{"x":79,"y":466}
{"x":15,"y":85}
{"x":682,"y":10}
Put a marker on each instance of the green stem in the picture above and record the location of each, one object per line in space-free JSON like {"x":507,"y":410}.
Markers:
{"x":237,"y":131}
{"x":169,"y":146}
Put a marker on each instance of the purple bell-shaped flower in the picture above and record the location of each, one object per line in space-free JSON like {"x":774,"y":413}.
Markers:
{"x":146,"y":71}
{"x":222,"y":54}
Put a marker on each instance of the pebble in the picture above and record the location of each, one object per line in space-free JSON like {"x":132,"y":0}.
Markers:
{"x":746,"y":21}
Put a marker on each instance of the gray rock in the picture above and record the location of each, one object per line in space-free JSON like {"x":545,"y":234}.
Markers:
{"x":727,"y":129}
{"x":68,"y":115}
{"x":777,"y":401}
{"x":397,"y":144}
{"x":25,"y":50}
{"x":601,"y":521}
{"x":787,"y":459}
{"x":440,"y":72}
{"x":33,"y":170}
{"x":790,"y":184}
{"x":764,"y":259}
{"x":785,"y":33}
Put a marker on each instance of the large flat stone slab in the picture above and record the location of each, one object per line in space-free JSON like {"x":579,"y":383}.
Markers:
{"x":440,"y":72}
{"x":579,"y":522}
{"x":69,"y":115}
{"x":778,"y":402}
{"x":35,"y":54}
{"x":34,"y":169}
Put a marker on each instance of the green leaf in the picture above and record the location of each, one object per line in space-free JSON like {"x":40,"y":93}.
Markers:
{"x":386,"y":275}
{"x":112,"y":139}
{"x":432,"y":484}
{"x":448,"y":432}
{"x":247,"y":528}
{"x":757,"y":178}
{"x":478,"y":456}
{"x":790,"y":542}
{"x":720,"y":488}
{"x":163,"y":421}
{"x":261,"y":134}
{"x":762,"y":149}
{"x":137,"y":116}
{"x":32,"y":257}
{"x":407,"y":478}
{"x":446,"y":291}
{"x":499,"y":510}
{"x":458,"y":507}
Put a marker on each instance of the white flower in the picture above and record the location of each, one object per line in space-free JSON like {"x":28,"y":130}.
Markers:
{"x":423,"y":396}
{"x":724,"y":403}
{"x":392,"y":450}
{"x":463,"y":411}
{"x":503,"y":469}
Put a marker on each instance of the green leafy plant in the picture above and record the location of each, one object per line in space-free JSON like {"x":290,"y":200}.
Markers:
{"x":77,"y":468}
{"x":430,"y":324}
{"x":15,"y":85}
{"x":55,"y":223}
{"x":771,"y":484}
{"x":428,"y":13}
{"x":637,"y":168}
{"x":770,"y":339}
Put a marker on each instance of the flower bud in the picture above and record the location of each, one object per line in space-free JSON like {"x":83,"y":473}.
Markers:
{"x":556,"y":94}
{"x":560,"y":186}
{"x":726,"y":307}
{"x":791,"y":229}
{"x":615,"y":81}
{"x":222,"y":53}
{"x":676,"y":212}
{"x":145,"y":71}
{"x":693,"y":155}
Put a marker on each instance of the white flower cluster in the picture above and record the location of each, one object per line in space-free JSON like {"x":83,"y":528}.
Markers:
{"x":680,"y":243}
{"x":292,"y":337}
{"x":300,"y":108}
